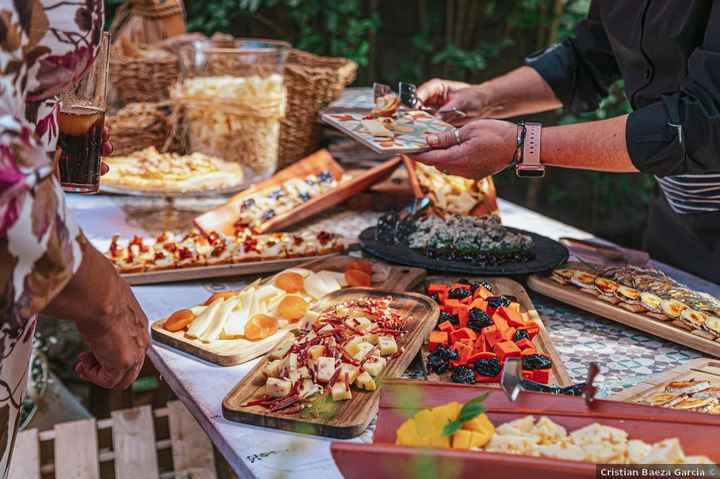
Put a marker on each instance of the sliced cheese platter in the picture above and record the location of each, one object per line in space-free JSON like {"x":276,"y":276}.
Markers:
{"x":693,"y":386}
{"x":222,"y":330}
{"x":640,"y":297}
{"x":482,"y":323}
{"x":301,"y":190}
{"x":325,"y":379}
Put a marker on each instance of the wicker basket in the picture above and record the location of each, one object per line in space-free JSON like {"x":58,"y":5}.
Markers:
{"x":140,"y":125}
{"x":145,"y":78}
{"x":312,"y":83}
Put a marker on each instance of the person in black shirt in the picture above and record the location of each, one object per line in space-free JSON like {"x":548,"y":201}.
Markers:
{"x":668,"y":54}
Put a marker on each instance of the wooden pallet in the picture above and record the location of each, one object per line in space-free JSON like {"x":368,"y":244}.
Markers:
{"x":133,"y":450}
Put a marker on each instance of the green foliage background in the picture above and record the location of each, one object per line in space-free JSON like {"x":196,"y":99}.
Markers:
{"x":470,"y":40}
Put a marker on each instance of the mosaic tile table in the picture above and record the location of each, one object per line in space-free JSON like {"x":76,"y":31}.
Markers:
{"x":626,"y":355}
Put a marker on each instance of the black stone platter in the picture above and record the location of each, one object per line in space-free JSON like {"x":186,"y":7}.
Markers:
{"x":549,"y":254}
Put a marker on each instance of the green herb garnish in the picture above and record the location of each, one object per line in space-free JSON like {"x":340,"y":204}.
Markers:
{"x":471,"y":409}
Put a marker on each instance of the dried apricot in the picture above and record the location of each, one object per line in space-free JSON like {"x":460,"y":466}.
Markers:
{"x":361,"y":265}
{"x":355,"y":277}
{"x":292,"y":308}
{"x":260,"y":327}
{"x":179,"y":320}
{"x":290,"y":281}
{"x":220,"y":294}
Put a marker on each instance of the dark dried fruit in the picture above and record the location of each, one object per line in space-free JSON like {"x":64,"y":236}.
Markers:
{"x":445,"y":352}
{"x":478,"y":319}
{"x":520,"y":334}
{"x":247,"y":203}
{"x":488,"y":367}
{"x":325,"y":177}
{"x":268,"y":215}
{"x":536,"y":361}
{"x":445,"y":316}
{"x":497,"y":301}
{"x":305,"y":196}
{"x":437,"y":364}
{"x":463,"y":375}
{"x":276,"y":194}
{"x":459,"y":293}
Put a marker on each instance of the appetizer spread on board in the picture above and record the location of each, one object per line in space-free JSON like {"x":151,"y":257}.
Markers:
{"x":477,"y":331}
{"x":168,"y":251}
{"x":466,"y":426}
{"x":151,"y":171}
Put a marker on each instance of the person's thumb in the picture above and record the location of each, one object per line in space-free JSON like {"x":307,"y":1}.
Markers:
{"x":445,"y":139}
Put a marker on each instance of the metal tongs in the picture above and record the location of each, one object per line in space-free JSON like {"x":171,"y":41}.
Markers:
{"x":408,"y":97}
{"x":512,"y":383}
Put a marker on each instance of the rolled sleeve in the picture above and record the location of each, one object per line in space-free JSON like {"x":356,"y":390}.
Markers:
{"x":581,"y":69}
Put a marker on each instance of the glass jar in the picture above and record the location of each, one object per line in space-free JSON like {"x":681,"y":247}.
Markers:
{"x":233,"y":98}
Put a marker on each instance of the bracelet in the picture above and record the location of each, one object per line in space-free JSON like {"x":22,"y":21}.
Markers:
{"x":519,"y":144}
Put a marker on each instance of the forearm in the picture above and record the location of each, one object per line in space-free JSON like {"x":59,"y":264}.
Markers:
{"x":90,"y":294}
{"x":519,"y":92}
{"x":595,"y":145}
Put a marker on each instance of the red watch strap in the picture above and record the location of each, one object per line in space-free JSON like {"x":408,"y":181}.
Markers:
{"x":531,"y":149}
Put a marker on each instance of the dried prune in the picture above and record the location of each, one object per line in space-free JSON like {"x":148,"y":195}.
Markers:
{"x":325,"y":177}
{"x":459,"y":293}
{"x":536,"y":361}
{"x":305,"y":196}
{"x":520,"y":334}
{"x":497,"y":301}
{"x":463,"y":375}
{"x":445,"y":316}
{"x":488,"y":367}
{"x":478,"y":319}
{"x":445,"y":352}
{"x":437,"y":364}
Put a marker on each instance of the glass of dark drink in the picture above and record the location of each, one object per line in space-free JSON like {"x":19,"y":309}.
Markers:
{"x":81,"y":121}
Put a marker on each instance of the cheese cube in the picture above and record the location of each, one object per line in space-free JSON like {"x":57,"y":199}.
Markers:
{"x":291,"y":362}
{"x":282,"y":348}
{"x":304,"y":372}
{"x":374,"y":365}
{"x":278,"y":388}
{"x":364,"y":323}
{"x":272,"y":368}
{"x":309,"y":388}
{"x":352,"y":346}
{"x":316,"y":351}
{"x":372,"y":339}
{"x":366,"y":382}
{"x":363,"y":349}
{"x":387,"y":345}
{"x":340,"y":391}
{"x":348,"y":373}
{"x":325,"y":369}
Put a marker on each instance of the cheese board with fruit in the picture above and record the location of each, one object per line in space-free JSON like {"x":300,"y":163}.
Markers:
{"x":233,"y":327}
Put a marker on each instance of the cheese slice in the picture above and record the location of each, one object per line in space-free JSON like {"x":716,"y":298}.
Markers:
{"x":202,"y":322}
{"x":266,"y":293}
{"x":235,"y":324}
{"x":212,"y":333}
{"x":376,"y":129}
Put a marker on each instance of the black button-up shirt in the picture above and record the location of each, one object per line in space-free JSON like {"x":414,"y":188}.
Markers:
{"x":668,"y":53}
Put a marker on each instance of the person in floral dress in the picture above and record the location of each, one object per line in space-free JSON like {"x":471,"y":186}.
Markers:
{"x":46,"y":264}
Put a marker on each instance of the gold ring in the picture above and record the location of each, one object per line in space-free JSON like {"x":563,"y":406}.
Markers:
{"x":458,"y":140}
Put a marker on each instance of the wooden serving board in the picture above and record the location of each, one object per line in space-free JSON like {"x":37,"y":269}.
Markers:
{"x":542,"y":341}
{"x":230,"y":352}
{"x":663,"y":329}
{"x":696,"y":432}
{"x":352,"y":416}
{"x":224,"y":217}
{"x":701,"y":369}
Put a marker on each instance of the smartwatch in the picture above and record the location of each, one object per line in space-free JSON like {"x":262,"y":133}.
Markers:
{"x":527,"y":158}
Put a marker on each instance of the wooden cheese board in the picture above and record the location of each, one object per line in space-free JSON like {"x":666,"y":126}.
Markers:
{"x":668,"y":330}
{"x":352,"y":416}
{"x":224,"y":217}
{"x":542,"y":342}
{"x":701,"y":369}
{"x":696,"y":432}
{"x":231,"y":352}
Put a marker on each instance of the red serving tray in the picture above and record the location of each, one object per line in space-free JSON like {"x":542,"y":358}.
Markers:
{"x":698,"y":434}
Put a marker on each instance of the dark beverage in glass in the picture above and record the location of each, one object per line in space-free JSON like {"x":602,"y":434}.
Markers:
{"x":80,"y":148}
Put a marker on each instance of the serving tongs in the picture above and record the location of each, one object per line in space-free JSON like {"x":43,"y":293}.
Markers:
{"x":512,"y":382}
{"x":409,"y":98}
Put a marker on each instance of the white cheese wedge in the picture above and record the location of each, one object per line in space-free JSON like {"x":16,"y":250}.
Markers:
{"x":304,"y":372}
{"x":363,"y":349}
{"x":309,"y":388}
{"x":212,"y":333}
{"x":266,"y":293}
{"x":325,"y":369}
{"x":364,"y":323}
{"x":366,"y":382}
{"x":374,"y":366}
{"x":352,"y":346}
{"x":331,"y":280}
{"x":203,"y":321}
{"x":278,"y":388}
{"x":273,"y":368}
{"x":235,"y":325}
{"x":348,"y":373}
{"x":341,"y":392}
{"x":387,"y":345}
{"x":316,"y":287}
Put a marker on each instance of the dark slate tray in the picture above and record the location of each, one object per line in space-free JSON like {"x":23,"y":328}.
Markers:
{"x":549,"y":254}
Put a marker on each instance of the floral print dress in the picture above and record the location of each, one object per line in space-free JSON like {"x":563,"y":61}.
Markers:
{"x":44,"y":46}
